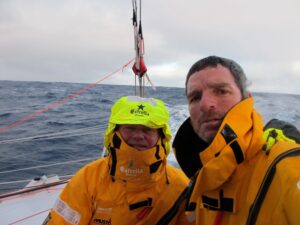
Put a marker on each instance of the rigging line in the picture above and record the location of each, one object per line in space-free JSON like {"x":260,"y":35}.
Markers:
{"x":47,"y":138}
{"x":15,"y":182}
{"x":21,"y":156}
{"x":28,"y":217}
{"x":35,"y":138}
{"x":28,"y":180}
{"x":66,"y":176}
{"x":140,"y":11}
{"x":49,"y":165}
{"x":138,"y":39}
{"x":134,"y":7}
{"x":62,"y":101}
{"x":24,"y":159}
{"x":63,"y":134}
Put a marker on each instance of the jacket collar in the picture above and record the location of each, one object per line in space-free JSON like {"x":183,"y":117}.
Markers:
{"x":238,"y":139}
{"x":187,"y":146}
{"x":136,"y":168}
{"x":192,"y":152}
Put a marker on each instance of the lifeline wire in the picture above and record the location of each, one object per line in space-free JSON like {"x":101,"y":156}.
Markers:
{"x":42,"y":166}
{"x":63,"y":134}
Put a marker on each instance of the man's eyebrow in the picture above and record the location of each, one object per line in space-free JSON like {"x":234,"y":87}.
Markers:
{"x":219,"y":85}
{"x":193,"y":93}
{"x":212,"y":85}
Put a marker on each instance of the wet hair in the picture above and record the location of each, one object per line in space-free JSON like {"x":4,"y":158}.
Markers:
{"x":234,"y":68}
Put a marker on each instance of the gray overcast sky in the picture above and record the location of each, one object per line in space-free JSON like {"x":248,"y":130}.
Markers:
{"x":84,"y":40}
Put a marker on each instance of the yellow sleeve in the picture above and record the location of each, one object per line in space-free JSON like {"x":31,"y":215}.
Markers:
{"x":74,"y":205}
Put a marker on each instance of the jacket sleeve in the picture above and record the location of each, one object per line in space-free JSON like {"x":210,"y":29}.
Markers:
{"x":290,"y":168}
{"x":74,"y":205}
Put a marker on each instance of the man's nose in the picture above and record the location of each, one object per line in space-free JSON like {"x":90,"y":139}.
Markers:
{"x":207,"y":102}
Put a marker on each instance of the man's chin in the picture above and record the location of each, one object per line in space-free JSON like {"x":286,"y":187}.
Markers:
{"x":208,"y":136}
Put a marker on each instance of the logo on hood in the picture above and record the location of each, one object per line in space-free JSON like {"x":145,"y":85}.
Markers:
{"x":139,"y":111}
{"x":131,"y":170}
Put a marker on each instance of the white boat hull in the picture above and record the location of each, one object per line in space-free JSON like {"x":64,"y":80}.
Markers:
{"x":30,"y":207}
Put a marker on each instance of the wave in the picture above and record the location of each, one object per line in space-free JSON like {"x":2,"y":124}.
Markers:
{"x":74,"y":130}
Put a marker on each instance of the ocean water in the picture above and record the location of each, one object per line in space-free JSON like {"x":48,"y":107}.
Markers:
{"x":57,"y":127}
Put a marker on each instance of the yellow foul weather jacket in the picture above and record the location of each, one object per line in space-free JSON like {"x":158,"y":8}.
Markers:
{"x":118,"y":190}
{"x":238,"y":182}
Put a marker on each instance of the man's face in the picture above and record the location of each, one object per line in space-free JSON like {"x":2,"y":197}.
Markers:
{"x":138,"y":136}
{"x":211,"y":93}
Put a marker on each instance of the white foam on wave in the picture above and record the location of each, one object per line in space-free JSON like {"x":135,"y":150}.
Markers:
{"x":178,"y":114}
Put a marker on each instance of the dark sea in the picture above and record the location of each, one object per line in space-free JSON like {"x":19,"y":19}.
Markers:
{"x":56,"y":128}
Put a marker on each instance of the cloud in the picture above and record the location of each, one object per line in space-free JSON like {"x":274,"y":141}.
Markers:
{"x":82,"y":40}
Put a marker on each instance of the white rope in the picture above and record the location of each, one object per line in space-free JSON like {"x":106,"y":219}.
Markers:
{"x":63,"y":134}
{"x":43,"y":166}
{"x":15,"y":182}
{"x":25,"y":181}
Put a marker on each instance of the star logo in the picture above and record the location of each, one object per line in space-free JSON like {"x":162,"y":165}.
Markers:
{"x":132,"y":164}
{"x":139,"y":111}
{"x":141,"y":107}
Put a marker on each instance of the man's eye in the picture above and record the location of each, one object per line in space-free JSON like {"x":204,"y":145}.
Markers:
{"x":195,"y":98}
{"x":221,"y":91}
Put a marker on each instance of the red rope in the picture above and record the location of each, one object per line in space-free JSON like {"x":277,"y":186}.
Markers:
{"x":28,"y":217}
{"x":62,"y":101}
{"x":218,"y":219}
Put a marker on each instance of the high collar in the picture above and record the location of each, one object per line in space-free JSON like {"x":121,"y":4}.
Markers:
{"x":238,"y":140}
{"x":187,"y":146}
{"x":133,"y":166}
{"x":192,"y":152}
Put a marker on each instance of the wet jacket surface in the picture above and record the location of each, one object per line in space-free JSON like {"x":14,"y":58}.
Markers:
{"x":93,"y":197}
{"x":238,"y":183}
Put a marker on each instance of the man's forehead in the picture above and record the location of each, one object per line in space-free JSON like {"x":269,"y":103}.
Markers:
{"x":211,"y":75}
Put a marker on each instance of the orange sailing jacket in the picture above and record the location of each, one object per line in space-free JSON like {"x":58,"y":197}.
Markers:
{"x":238,"y":183}
{"x":95,"y":196}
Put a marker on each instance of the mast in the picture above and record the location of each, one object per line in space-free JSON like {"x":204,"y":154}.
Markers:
{"x":139,"y":68}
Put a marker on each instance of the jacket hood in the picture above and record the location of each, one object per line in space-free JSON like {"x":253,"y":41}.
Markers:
{"x":192,"y":152}
{"x":149,"y":112}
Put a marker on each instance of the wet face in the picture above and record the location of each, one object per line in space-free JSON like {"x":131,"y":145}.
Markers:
{"x":211,"y":93}
{"x":139,"y":136}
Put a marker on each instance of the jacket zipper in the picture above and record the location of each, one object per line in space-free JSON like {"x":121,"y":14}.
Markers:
{"x":255,"y":208}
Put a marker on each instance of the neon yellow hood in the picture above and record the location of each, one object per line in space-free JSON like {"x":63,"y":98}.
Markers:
{"x":149,"y":112}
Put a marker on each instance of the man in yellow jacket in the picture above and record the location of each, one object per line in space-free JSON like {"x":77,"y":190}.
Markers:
{"x":133,"y":184}
{"x":238,"y":175}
